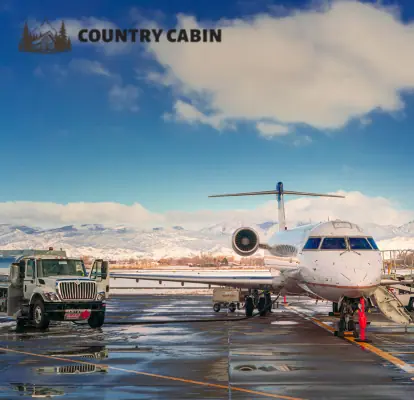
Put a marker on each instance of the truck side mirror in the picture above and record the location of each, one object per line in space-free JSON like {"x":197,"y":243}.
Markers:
{"x":104,"y":269}
{"x":15,"y":275}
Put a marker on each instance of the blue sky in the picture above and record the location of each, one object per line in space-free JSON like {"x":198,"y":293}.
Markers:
{"x":63,"y":140}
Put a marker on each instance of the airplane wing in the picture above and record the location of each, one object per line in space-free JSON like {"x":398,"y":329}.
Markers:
{"x":218,"y":279}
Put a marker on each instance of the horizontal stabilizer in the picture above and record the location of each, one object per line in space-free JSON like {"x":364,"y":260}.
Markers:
{"x":277,"y":192}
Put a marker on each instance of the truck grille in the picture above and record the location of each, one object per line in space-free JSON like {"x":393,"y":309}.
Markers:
{"x":75,"y":291}
{"x":77,"y":369}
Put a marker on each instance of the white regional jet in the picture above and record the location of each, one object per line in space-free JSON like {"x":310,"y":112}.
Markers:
{"x":335,"y":261}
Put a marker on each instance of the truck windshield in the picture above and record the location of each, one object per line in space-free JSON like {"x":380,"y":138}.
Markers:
{"x":62,"y":267}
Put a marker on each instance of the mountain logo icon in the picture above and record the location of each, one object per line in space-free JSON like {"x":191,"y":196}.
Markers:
{"x":45,"y":39}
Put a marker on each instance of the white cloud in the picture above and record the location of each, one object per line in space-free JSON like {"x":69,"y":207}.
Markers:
{"x":38,"y":72}
{"x":59,"y":71}
{"x":187,"y":112}
{"x":320,"y":67}
{"x":89,"y":67}
{"x":302,"y":141}
{"x":365,"y":121}
{"x":78,"y":65}
{"x":124,"y":97}
{"x":52,"y":214}
{"x":268,"y":130}
{"x":356,"y":207}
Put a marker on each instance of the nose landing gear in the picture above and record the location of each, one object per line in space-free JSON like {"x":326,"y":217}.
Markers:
{"x":346,"y":322}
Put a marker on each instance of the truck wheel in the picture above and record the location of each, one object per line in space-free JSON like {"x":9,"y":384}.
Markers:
{"x":216,"y":307}
{"x":97,"y":319}
{"x":39,"y":318}
{"x":232,"y":307}
{"x":20,"y":323}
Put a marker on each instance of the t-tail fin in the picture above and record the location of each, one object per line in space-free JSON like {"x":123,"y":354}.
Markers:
{"x":279,"y":192}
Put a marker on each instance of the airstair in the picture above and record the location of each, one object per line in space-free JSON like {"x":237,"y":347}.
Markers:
{"x":393,"y":300}
{"x":391,"y":306}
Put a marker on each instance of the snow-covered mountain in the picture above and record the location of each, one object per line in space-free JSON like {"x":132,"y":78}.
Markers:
{"x":123,"y":242}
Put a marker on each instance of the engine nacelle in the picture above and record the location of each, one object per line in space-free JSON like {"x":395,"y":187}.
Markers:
{"x":245,"y":241}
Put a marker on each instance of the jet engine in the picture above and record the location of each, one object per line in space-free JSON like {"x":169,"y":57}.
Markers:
{"x":245,"y":241}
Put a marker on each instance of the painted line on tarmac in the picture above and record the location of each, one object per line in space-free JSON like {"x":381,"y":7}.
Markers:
{"x":383,"y":354}
{"x":171,"y":378}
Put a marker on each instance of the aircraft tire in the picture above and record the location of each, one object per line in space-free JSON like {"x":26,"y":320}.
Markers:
{"x":351,"y":325}
{"x":262,"y":307}
{"x":249,"y":307}
{"x":341,"y":328}
{"x":268,"y":298}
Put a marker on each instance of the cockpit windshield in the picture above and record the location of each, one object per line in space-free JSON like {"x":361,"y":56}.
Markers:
{"x":372,"y":243}
{"x":312,"y":243}
{"x":359,"y":243}
{"x":333,"y":243}
{"x":340,"y":243}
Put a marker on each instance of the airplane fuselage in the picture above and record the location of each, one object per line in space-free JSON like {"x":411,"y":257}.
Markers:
{"x":329,"y":260}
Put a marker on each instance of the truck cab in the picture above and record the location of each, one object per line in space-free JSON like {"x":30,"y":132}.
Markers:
{"x":49,"y":286}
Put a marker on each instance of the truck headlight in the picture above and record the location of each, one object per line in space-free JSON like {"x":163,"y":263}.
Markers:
{"x":101,"y":296}
{"x":51,"y":296}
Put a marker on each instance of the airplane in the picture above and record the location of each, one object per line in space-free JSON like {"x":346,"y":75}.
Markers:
{"x":335,"y":261}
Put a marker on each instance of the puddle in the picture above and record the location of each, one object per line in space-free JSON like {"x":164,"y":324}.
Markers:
{"x":284,"y":323}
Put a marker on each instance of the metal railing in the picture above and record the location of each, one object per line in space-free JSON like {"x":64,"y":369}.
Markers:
{"x":398,"y":262}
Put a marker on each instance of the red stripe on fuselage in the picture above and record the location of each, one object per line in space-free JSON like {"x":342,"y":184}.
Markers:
{"x":340,"y":287}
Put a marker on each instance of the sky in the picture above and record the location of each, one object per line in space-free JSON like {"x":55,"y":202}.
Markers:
{"x":315,"y":94}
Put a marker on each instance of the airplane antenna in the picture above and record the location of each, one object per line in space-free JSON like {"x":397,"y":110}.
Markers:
{"x":279,"y":192}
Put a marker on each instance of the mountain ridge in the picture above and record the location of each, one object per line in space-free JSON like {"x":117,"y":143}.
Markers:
{"x":122,"y":242}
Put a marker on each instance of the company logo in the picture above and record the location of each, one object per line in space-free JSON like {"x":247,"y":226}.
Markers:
{"x":149,"y":35}
{"x":45,"y":39}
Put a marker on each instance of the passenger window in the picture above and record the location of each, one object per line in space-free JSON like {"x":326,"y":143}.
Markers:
{"x":372,"y":243}
{"x":333,"y":244}
{"x":30,"y":269}
{"x":359,"y":243}
{"x":312,"y":243}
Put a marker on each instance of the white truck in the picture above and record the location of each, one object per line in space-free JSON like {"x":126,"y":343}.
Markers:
{"x":49,"y":286}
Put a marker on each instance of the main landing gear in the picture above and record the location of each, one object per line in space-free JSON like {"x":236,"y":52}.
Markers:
{"x":263,"y":303}
{"x":347,"y":323}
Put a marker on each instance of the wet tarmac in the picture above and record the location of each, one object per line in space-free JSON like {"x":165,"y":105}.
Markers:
{"x":283,"y":356}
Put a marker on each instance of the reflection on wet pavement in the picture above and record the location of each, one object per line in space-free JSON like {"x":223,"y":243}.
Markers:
{"x":284,"y":356}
